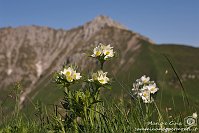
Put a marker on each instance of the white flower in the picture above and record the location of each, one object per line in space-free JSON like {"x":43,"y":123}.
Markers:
{"x":106,"y":48}
{"x":97,"y":51}
{"x":145,"y":79}
{"x":144,"y":88}
{"x":145,"y":95}
{"x":70,"y":74}
{"x":105,"y":51}
{"x":195,"y":115}
{"x":100,"y":76}
{"x":103,"y":79}
{"x":108,"y":52}
{"x":77,"y":76}
{"x":67,"y":71}
{"x":152,"y":88}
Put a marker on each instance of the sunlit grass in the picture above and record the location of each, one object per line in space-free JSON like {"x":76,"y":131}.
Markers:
{"x":86,"y":109}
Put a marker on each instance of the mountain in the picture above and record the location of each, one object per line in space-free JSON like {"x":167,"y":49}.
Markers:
{"x":30,"y":54}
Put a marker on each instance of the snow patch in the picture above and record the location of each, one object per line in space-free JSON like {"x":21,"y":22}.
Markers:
{"x":39,"y":68}
{"x":9,"y":71}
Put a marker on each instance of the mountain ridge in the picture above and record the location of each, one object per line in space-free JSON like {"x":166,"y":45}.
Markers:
{"x":30,"y":52}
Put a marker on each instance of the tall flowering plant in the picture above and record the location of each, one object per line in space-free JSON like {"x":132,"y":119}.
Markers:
{"x":99,"y":79}
{"x":144,"y":90}
{"x":82,"y":104}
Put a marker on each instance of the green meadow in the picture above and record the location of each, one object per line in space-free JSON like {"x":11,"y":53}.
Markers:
{"x":106,"y":103}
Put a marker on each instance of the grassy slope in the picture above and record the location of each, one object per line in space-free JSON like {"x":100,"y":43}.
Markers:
{"x":150,"y":62}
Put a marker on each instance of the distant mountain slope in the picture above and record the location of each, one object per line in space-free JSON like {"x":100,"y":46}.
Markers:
{"x":30,"y":54}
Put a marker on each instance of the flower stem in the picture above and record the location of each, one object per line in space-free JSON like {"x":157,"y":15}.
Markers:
{"x":102,"y":65}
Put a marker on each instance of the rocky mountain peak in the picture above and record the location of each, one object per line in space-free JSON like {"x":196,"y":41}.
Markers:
{"x":102,"y":21}
{"x":99,"y":23}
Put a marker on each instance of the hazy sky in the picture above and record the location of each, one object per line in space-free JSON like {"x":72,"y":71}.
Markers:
{"x":164,"y":21}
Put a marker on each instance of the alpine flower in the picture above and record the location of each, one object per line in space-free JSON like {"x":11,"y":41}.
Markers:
{"x":97,"y":51}
{"x":145,"y":95}
{"x":145,"y":79}
{"x":144,"y":88}
{"x":103,"y":52}
{"x":70,"y":74}
{"x":152,"y":88}
{"x":100,"y":76}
